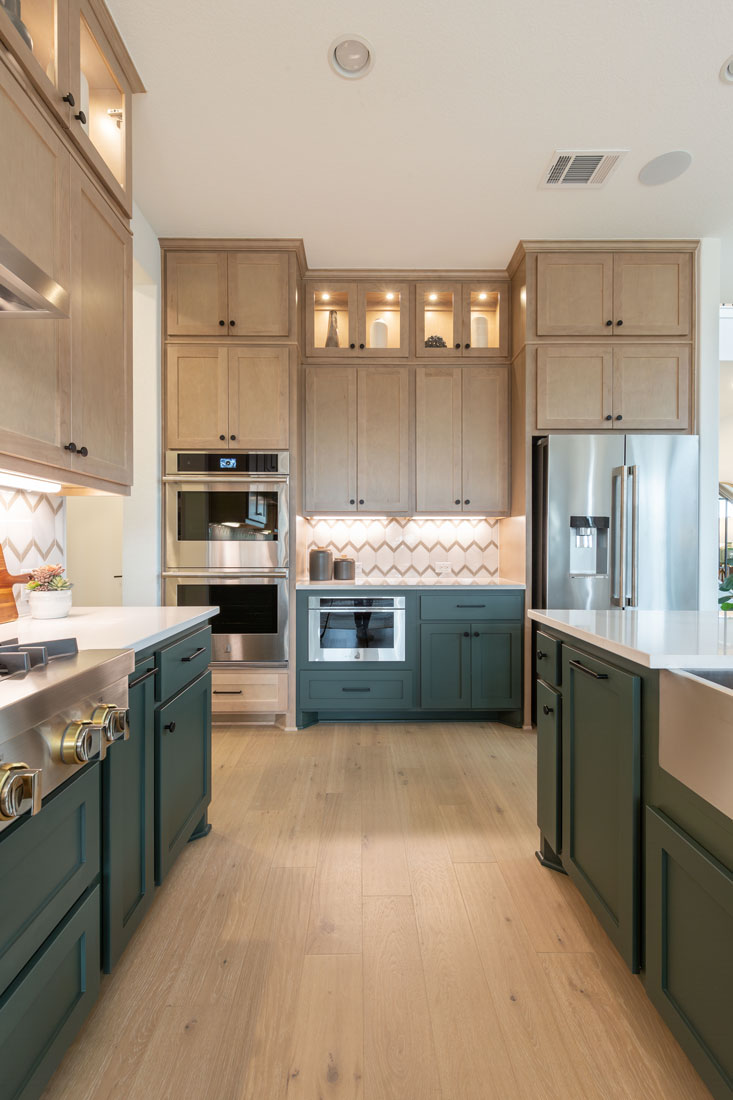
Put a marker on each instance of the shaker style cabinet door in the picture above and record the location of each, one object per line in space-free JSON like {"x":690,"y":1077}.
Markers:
{"x":445,"y":666}
{"x":383,"y":320}
{"x":330,"y":439}
{"x":651,"y":386}
{"x":258,"y":294}
{"x":486,"y":425}
{"x":197,"y":397}
{"x":383,"y":426}
{"x":196,"y":294}
{"x":575,"y":294}
{"x":496,"y":666}
{"x":574,"y":387}
{"x":438,"y":428}
{"x":259,"y":398}
{"x":652,"y":293}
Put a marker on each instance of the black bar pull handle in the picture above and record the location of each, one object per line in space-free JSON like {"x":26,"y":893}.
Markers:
{"x":470,"y":605}
{"x":589,"y":671}
{"x":356,"y":689}
{"x":145,"y":676}
{"x":194,"y":655}
{"x":219,"y":692}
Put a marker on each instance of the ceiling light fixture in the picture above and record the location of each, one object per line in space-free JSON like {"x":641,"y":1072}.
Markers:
{"x":351,"y":56}
{"x":665,"y":168}
{"x":28,"y":484}
{"x":726,"y":72}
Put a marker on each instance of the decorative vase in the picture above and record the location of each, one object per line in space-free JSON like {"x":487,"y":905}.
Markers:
{"x":50,"y":605}
{"x":480,"y":332}
{"x":332,"y":336}
{"x":379,"y":334}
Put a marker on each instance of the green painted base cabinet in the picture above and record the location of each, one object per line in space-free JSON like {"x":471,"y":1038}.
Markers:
{"x":466,"y":665}
{"x":549,"y":765}
{"x":689,"y":948}
{"x":128,"y":800}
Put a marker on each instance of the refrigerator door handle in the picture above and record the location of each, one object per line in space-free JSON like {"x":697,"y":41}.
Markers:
{"x":633,"y":473}
{"x":618,"y":535}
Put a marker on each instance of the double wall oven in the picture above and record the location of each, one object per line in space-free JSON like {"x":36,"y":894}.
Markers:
{"x":226,"y":543}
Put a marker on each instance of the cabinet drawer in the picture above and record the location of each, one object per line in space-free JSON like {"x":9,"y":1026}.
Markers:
{"x":548,"y":659}
{"x":46,"y":863}
{"x":346,"y":691}
{"x":249,"y":691}
{"x":549,"y":762}
{"x":181,"y":662}
{"x":474,"y":606}
{"x":44,"y":1009}
{"x":689,"y":947}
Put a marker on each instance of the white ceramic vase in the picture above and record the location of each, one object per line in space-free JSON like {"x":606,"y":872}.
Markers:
{"x":379,"y":334}
{"x":50,"y":605}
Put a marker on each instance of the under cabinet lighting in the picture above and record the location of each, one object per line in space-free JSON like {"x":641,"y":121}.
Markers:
{"x":433,"y":297}
{"x":28,"y":484}
{"x":482,"y":296}
{"x":389,"y":296}
{"x":325,"y":297}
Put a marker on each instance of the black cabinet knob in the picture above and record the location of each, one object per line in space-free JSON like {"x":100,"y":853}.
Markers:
{"x":83,"y":452}
{"x":171,"y":726}
{"x":466,"y":634}
{"x":547,"y":710}
{"x":458,"y":501}
{"x":619,"y":417}
{"x":475,"y":633}
{"x":70,"y":447}
{"x":361,"y":502}
{"x":540,"y":655}
{"x":232,"y":437}
{"x":232,"y":323}
{"x":361,"y":346}
{"x":69,"y":98}
{"x":222,"y":323}
{"x":458,"y":345}
{"x":352,"y":346}
{"x":619,"y":323}
{"x":609,"y":417}
{"x":466,"y":345}
{"x":352,"y":501}
{"x":467,"y":502}
{"x":81,"y":117}
{"x":608,"y":324}
{"x":222,"y":437}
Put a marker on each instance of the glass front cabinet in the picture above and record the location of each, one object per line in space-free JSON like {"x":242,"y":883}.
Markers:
{"x":466,"y":319}
{"x":67,"y":54}
{"x":357,"y":319}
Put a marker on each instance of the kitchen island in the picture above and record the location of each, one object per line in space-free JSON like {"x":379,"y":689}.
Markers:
{"x":634,"y":719}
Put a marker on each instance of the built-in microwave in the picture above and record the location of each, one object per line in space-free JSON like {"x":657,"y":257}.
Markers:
{"x":226,"y":510}
{"x":361,"y":628}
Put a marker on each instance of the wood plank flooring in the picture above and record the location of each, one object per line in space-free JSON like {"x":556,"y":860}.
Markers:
{"x":367,"y":921}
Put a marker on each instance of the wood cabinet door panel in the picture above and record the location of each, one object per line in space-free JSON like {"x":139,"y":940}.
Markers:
{"x":259,"y":296}
{"x":496,"y":666}
{"x":652,"y":293}
{"x":486,"y":438}
{"x":438,"y":427}
{"x":197,"y":397}
{"x":196,"y":294}
{"x":383,"y":397}
{"x":330,"y":439}
{"x":322,"y":299}
{"x":575,"y":294}
{"x":258,"y":398}
{"x":445,"y":666}
{"x":574,"y":387}
{"x":651,"y":386}
{"x":101,"y":381}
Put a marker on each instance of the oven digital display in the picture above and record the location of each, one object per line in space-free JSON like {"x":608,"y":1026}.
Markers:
{"x":227,"y":463}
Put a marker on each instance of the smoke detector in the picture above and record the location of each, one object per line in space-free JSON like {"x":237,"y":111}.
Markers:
{"x":581,"y":167}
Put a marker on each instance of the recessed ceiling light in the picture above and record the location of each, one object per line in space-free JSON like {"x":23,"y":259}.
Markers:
{"x":726,"y":73}
{"x":482,"y":296}
{"x":389,"y":296}
{"x":433,"y":297}
{"x":351,"y":56}
{"x":325,"y":297}
{"x":665,"y":168}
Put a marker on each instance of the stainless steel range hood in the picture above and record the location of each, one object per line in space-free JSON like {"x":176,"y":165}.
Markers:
{"x":25,"y":289}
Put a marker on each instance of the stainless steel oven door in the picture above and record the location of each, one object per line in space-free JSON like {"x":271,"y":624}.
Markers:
{"x":233,"y":523}
{"x":252,"y":624}
{"x":362,"y":630}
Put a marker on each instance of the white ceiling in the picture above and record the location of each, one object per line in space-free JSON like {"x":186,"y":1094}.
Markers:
{"x":434,"y":158}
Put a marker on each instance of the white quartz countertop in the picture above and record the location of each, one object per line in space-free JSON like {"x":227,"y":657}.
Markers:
{"x":654,"y":639}
{"x":423,"y":583}
{"x":110,"y":627}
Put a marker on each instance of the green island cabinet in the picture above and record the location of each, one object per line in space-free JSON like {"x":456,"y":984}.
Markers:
{"x":653,"y":860}
{"x":463,"y":657}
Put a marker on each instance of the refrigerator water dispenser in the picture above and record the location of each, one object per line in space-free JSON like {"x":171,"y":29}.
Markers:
{"x":588,"y":546}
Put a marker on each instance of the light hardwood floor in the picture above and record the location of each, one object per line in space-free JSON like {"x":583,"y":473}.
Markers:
{"x":367,"y":921}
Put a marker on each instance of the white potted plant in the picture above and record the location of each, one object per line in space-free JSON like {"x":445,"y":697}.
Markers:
{"x":49,"y":593}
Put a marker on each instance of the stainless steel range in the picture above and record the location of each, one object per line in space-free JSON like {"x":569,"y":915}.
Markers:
{"x":59,"y":709}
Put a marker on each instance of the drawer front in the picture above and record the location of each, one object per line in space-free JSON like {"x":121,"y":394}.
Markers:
{"x":344,"y":691}
{"x":181,"y":662}
{"x":249,"y":692}
{"x":549,"y":763}
{"x":475,"y":606}
{"x":46,"y":863}
{"x":548,"y":659}
{"x":42,"y":1012}
{"x":689,"y":947}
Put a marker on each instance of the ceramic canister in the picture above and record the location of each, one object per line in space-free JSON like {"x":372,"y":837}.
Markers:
{"x":320,"y":564}
{"x":344,"y":569}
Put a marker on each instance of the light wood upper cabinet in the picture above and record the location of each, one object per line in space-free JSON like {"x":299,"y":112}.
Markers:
{"x":366,"y":319}
{"x":383,"y":319}
{"x":219,"y":397}
{"x":101,"y":376}
{"x":383,"y":439}
{"x":628,"y":387}
{"x":236,"y":293}
{"x":197,"y":397}
{"x":330,"y":319}
{"x":652,"y":293}
{"x":462,"y":440}
{"x":485,"y":320}
{"x":330,"y":440}
{"x":461,"y":319}
{"x":574,"y":387}
{"x":258,"y":398}
{"x":46,"y":57}
{"x":614,"y":294}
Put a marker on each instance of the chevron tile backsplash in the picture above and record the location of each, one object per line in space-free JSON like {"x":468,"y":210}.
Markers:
{"x":411,"y":548}
{"x":32,"y":529}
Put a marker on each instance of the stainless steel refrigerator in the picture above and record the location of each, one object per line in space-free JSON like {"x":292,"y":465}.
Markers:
{"x":615,"y":521}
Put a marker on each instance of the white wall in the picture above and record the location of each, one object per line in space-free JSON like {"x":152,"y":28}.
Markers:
{"x":708,"y":391}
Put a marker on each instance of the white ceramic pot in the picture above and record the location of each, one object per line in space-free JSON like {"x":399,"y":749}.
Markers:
{"x":50,"y":605}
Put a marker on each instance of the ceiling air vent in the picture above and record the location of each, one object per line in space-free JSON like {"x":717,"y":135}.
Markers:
{"x":581,"y":168}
